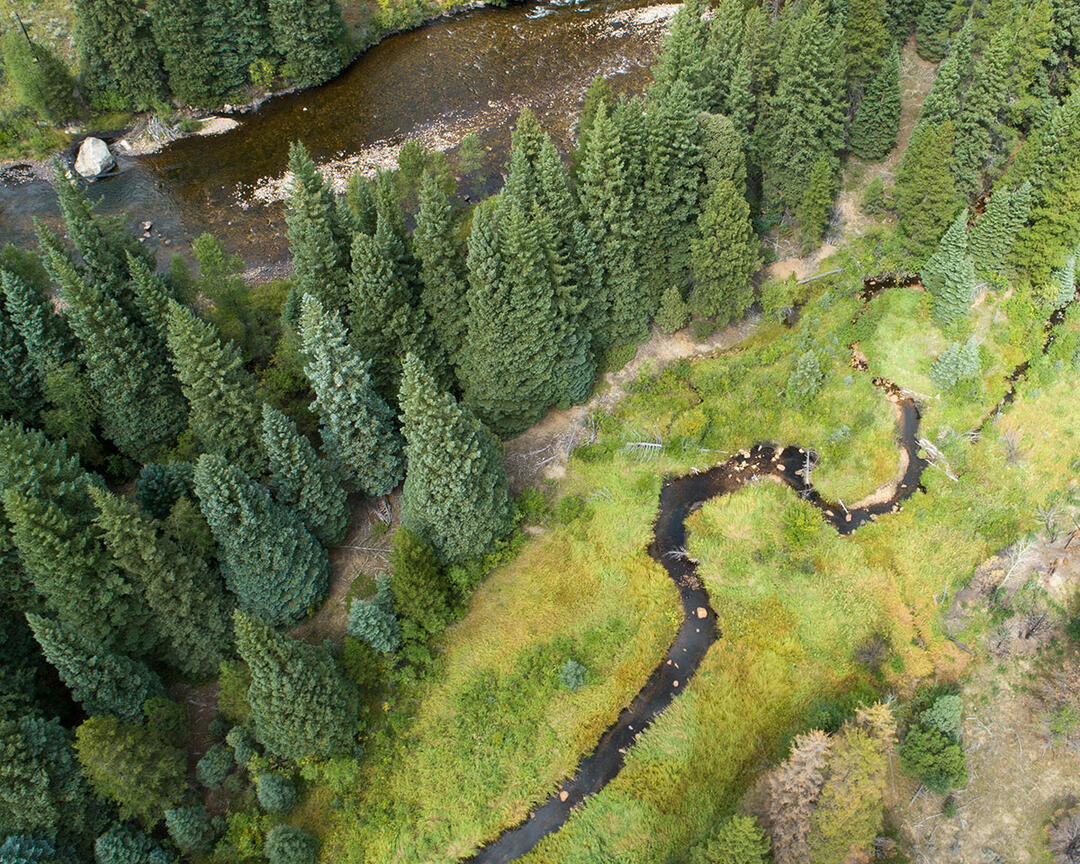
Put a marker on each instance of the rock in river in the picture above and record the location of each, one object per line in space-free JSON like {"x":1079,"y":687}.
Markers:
{"x":94,"y":158}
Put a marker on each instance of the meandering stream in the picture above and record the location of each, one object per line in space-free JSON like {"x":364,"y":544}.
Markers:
{"x":469,"y":72}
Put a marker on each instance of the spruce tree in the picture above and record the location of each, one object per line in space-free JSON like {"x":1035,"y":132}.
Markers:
{"x":188,"y":606}
{"x":995,"y":232}
{"x":443,"y":275}
{"x":725,"y":256}
{"x":805,"y":380}
{"x":302,"y":480}
{"x":42,"y":791}
{"x":738,"y":840}
{"x":20,"y":383}
{"x":102,"y":681}
{"x":301,"y":706}
{"x":959,"y":363}
{"x":224,"y":408}
{"x":1054,"y":173}
{"x":190,"y":829}
{"x":360,"y":201}
{"x":805,"y":117}
{"x":455,"y":494}
{"x":237,"y":33}
{"x":421,"y":593}
{"x":141,"y":407}
{"x":181,"y":37}
{"x":508,"y":367}
{"x":37,"y":78}
{"x":306,"y":33}
{"x":132,"y":766}
{"x":273,"y":564}
{"x":943,"y":101}
{"x":598,"y":93}
{"x":606,"y":197}
{"x":864,"y":36}
{"x":932,"y":29}
{"x":949,"y":275}
{"x":119,"y":59}
{"x":725,"y":152}
{"x":692,"y":56}
{"x":874,"y":127}
{"x":51,"y":515}
{"x":357,"y":425}
{"x":979,"y":128}
{"x":318,"y":241}
{"x":122,"y":844}
{"x":815,"y":208}
{"x":1063,"y":281}
{"x":925,"y":191}
{"x":673,"y":313}
{"x":674,"y":180}
{"x":46,"y":335}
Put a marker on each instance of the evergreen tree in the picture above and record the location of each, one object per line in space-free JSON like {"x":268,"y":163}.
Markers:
{"x":805,"y":117}
{"x":276,"y":792}
{"x":455,"y":494}
{"x":22,"y":849}
{"x":738,"y":840}
{"x":302,"y":480}
{"x":237,"y":34}
{"x":508,"y":367}
{"x":1064,"y":280}
{"x":725,"y":256}
{"x":132,"y":766}
{"x":1054,"y":229}
{"x":37,"y":78}
{"x":943,"y":101}
{"x":805,"y":379}
{"x":318,"y":241}
{"x":190,"y":829}
{"x":360,"y":201}
{"x":691,"y":55}
{"x":673,"y":313}
{"x":606,"y":197}
{"x":159,"y":486}
{"x":301,"y":707}
{"x":51,"y":515}
{"x":420,"y":591}
{"x":814,"y":210}
{"x":598,"y":93}
{"x":949,"y":276}
{"x":995,"y":232}
{"x":373,"y":620}
{"x":959,"y":363}
{"x":865,"y":35}
{"x":184,"y":595}
{"x":181,"y":37}
{"x":674,"y":180}
{"x":118,"y":55}
{"x":932,"y":29}
{"x":122,"y":844}
{"x":443,"y":275}
{"x":357,"y":426}
{"x":306,"y":33}
{"x":273,"y":565}
{"x":46,"y":336}
{"x":20,"y":384}
{"x":224,"y":415}
{"x":101,"y":680}
{"x":286,"y":844}
{"x":42,"y":791}
{"x":141,"y":408}
{"x":874,"y":127}
{"x":979,"y":133}
{"x":725,"y":152}
{"x":925,"y":191}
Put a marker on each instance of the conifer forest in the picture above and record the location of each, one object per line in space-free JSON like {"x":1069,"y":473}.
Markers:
{"x":688,"y":477}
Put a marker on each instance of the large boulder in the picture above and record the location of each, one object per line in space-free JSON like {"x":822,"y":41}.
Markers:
{"x":94,"y":158}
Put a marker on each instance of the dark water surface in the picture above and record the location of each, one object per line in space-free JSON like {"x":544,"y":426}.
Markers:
{"x":474,"y":70}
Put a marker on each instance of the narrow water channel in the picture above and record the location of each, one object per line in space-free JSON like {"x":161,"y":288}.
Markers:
{"x":472,"y":71}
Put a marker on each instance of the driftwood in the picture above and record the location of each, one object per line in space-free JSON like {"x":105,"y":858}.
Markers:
{"x":817,"y":276}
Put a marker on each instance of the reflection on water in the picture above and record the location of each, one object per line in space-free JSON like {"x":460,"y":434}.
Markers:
{"x":474,"y":70}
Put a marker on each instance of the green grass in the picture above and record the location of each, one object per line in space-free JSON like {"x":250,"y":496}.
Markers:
{"x":467,"y":751}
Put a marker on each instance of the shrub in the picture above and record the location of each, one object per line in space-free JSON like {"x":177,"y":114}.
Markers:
{"x":215,"y":766}
{"x":875,"y":201}
{"x":572,"y":675}
{"x":569,"y":508}
{"x":276,"y":792}
{"x":1064,"y":837}
{"x":805,"y":379}
{"x":361,"y":663}
{"x":288,"y":845}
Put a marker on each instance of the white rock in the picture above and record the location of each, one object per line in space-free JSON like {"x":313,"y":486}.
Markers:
{"x":94,"y":158}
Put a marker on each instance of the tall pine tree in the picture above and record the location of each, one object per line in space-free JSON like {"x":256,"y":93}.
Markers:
{"x":306,"y":34}
{"x":270,"y":561}
{"x":949,"y":275}
{"x":874,"y":127}
{"x":119,"y":58}
{"x":995,"y":232}
{"x":725,"y":256}
{"x":455,"y":494}
{"x":181,"y":37}
{"x":925,"y":191}
{"x":357,"y":425}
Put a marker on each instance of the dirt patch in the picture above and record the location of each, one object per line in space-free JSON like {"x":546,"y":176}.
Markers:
{"x":801,"y":268}
{"x":543,"y":451}
{"x":916,"y":76}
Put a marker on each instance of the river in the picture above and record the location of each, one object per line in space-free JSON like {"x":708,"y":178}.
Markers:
{"x":473,"y":71}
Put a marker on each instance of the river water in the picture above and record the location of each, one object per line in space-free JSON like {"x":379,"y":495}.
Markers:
{"x":470,"y":72}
